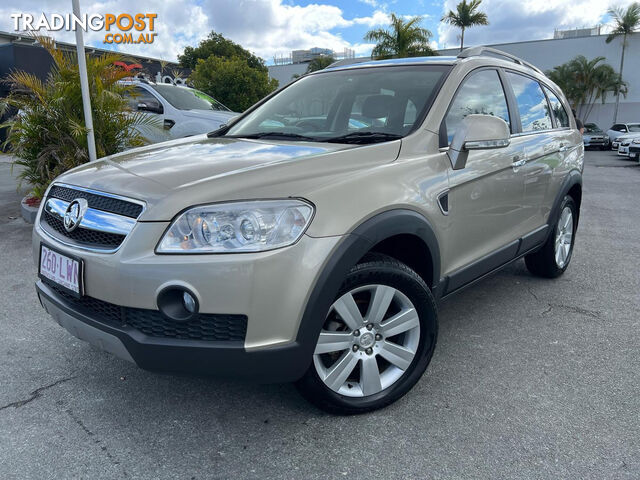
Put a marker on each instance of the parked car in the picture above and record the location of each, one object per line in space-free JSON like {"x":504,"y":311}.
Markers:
{"x":623,"y":147}
{"x":619,"y":130}
{"x":283,"y":249}
{"x":634,"y":149}
{"x":178,"y":111}
{"x":593,"y":136}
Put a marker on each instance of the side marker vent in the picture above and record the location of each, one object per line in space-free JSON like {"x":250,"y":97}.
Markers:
{"x":443,"y":202}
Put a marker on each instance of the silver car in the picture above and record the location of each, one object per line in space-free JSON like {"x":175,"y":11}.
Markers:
{"x":312,"y":239}
{"x":594,"y":137}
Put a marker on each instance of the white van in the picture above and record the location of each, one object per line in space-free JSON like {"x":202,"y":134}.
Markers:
{"x":179,"y":111}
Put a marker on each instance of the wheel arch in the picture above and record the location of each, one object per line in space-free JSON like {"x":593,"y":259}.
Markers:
{"x":571,"y":186}
{"x":385,"y":232}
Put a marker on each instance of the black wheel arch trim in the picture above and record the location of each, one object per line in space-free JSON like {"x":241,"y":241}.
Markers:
{"x":573,"y":178}
{"x":347,"y":254}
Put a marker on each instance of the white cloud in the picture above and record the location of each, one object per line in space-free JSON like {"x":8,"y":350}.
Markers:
{"x":269,"y":27}
{"x":178,"y":24}
{"x":265,"y":27}
{"x":512,"y":21}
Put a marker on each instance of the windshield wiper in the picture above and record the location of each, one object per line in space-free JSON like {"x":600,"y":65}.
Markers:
{"x":295,"y":136}
{"x":364,"y":137}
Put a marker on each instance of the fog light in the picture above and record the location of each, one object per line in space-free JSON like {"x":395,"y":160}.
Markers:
{"x":178,"y":304}
{"x":189,"y":302}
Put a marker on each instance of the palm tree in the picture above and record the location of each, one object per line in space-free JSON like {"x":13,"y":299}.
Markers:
{"x":404,"y":39}
{"x":48,"y":136}
{"x":465,"y":16}
{"x":320,"y":63}
{"x":626,"y":22}
{"x":586,"y":81}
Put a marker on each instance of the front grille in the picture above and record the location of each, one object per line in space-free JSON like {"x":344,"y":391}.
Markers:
{"x":205,"y":326}
{"x":99,"y":202}
{"x":111,"y":218}
{"x":85,"y":236}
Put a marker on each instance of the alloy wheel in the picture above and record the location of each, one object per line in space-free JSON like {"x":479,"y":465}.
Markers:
{"x":564,"y":237}
{"x":369,"y":339}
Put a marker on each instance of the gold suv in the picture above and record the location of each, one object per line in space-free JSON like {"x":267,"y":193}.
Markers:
{"x":311,"y":238}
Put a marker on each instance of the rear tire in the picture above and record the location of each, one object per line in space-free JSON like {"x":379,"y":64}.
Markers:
{"x":382,"y":328}
{"x":553,"y":258}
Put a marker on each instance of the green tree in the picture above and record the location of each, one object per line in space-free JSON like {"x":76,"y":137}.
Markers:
{"x":218,"y":46}
{"x":626,"y":22}
{"x":584,"y":82}
{"x":403,"y":39}
{"x":466,"y":16}
{"x":320,"y":63}
{"x":48,"y":136}
{"x":232,"y":81}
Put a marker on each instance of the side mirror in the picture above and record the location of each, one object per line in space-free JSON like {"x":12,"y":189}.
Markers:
{"x":477,"y":132}
{"x":152,"y":106}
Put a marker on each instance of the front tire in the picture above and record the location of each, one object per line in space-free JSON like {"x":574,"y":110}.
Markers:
{"x":553,"y":258}
{"x":377,"y":340}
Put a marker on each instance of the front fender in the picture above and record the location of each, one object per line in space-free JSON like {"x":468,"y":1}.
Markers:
{"x":347,"y":254}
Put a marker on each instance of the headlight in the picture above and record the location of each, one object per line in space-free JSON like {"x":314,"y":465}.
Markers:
{"x":251,"y":226}
{"x":637,"y":141}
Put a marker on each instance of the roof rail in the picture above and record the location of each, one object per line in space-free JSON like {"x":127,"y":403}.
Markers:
{"x":488,"y":51}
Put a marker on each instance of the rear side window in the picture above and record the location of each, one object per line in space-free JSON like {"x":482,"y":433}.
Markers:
{"x":560,"y":114}
{"x":532,"y":104}
{"x":480,"y":93}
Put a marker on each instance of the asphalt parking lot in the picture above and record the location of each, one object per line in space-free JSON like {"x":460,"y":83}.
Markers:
{"x":531,"y":379}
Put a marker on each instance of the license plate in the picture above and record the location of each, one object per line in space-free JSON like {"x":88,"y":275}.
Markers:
{"x":62,"y":269}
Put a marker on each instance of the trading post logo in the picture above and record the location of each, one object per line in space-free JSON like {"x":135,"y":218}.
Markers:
{"x":122,"y":29}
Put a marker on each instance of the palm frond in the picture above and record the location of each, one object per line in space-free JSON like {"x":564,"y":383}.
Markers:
{"x":48,"y":136}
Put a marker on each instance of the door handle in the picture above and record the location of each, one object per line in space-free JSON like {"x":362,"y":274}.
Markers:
{"x":518,"y":162}
{"x":563,"y":148}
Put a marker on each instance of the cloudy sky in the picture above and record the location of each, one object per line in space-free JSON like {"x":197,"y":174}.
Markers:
{"x":275,"y":27}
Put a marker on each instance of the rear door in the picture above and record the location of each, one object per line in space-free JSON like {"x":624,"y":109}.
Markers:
{"x":539,"y":142}
{"x":485,"y":198}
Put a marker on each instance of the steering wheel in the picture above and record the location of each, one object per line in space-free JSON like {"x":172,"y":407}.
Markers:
{"x":307,"y":125}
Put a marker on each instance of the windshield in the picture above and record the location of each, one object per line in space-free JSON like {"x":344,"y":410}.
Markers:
{"x":634,"y":127}
{"x":184,"y":98}
{"x":591,"y":128}
{"x":355,"y":106}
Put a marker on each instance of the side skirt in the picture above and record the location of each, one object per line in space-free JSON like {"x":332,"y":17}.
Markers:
{"x":469,"y":275}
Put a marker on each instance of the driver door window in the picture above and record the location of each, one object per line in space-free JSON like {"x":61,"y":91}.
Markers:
{"x":481,"y":93}
{"x":140,"y":95}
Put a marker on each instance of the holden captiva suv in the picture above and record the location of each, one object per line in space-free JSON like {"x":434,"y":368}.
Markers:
{"x":312,"y":238}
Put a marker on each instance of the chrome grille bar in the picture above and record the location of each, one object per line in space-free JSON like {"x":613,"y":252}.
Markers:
{"x":93,"y":219}
{"x":104,"y":224}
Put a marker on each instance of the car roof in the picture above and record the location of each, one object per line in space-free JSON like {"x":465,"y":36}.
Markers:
{"x":480,"y":56}
{"x":137,"y":81}
{"x":397,"y":61}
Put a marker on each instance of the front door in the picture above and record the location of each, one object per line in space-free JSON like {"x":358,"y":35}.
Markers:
{"x":486,"y":197}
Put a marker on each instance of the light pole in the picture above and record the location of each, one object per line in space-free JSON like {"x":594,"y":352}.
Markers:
{"x":84,"y":84}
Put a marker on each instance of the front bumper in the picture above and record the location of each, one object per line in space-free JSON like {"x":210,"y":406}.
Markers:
{"x":595,"y":143}
{"x":224,"y":359}
{"x":623,"y":150}
{"x":270,"y":288}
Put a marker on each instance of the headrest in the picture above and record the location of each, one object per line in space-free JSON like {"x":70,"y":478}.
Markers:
{"x":377,"y":106}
